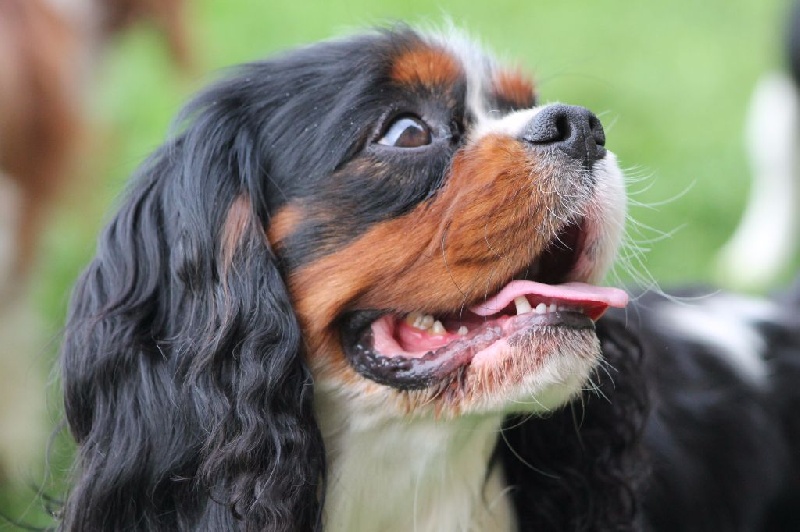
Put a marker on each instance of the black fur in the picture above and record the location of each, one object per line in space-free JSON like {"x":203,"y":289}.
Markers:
{"x":184,"y":383}
{"x":672,"y":439}
{"x":580,"y":468}
{"x":723,"y":449}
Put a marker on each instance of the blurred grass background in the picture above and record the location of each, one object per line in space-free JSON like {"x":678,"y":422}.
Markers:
{"x":670,"y":80}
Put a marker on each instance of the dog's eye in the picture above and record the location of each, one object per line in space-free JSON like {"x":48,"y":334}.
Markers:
{"x":406,"y":132}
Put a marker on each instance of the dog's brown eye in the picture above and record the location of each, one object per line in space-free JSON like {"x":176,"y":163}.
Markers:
{"x":407,"y":132}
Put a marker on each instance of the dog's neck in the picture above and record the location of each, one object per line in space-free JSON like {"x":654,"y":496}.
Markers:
{"x":422,"y":475}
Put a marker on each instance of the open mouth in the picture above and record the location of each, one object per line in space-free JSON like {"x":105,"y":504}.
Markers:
{"x":417,"y":350}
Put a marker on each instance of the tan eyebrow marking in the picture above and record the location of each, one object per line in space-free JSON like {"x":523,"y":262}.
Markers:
{"x":426,"y":65}
{"x":515,"y":87}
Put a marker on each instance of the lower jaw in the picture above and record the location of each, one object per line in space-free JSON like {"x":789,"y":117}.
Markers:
{"x":523,"y":344}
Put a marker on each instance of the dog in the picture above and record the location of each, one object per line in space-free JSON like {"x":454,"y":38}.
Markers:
{"x":358,"y":289}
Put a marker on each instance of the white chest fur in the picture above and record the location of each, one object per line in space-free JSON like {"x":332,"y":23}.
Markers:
{"x":420,"y":475}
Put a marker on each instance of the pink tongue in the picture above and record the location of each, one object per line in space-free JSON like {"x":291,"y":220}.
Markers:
{"x":571,"y":293}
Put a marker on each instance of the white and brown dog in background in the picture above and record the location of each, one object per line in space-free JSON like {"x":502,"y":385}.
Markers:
{"x":49,"y":52}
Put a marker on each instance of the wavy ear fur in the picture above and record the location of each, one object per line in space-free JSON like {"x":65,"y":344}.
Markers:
{"x":579,"y":469}
{"x":182,"y":368}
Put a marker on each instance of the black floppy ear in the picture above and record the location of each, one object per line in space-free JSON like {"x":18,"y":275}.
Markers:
{"x":579,"y":468}
{"x":183,"y":378}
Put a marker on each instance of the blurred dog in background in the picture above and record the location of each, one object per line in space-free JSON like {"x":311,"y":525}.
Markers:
{"x":765,"y":243}
{"x":49,"y":52}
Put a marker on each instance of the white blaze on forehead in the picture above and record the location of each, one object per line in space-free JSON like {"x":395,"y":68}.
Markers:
{"x":511,"y":124}
{"x":479,"y":67}
{"x":480,"y":70}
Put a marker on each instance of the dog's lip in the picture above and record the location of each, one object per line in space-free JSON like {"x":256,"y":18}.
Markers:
{"x":393,"y":336}
{"x":414,"y":371}
{"x":386,"y":348}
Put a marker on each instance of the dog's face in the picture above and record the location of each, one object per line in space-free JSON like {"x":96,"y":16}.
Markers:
{"x":429,"y":213}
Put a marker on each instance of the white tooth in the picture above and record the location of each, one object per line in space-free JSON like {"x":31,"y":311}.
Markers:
{"x":426,"y":321}
{"x":552,"y":308}
{"x":463,"y":330}
{"x":438,"y":328}
{"x":523,"y":307}
{"x":413,"y":319}
{"x":541,"y":308}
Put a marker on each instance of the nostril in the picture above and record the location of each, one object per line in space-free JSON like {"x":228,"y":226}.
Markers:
{"x":563,"y":129}
{"x":597,"y":131}
{"x":575,"y":131}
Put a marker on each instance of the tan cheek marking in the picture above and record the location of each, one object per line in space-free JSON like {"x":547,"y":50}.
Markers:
{"x":427,"y":66}
{"x":283,"y":223}
{"x":483,"y":226}
{"x":515,"y":87}
{"x":233,"y":230}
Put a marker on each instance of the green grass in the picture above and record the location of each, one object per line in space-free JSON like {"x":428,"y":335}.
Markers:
{"x":671,"y":82}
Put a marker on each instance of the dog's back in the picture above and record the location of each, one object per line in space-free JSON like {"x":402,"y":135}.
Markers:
{"x":723,"y":432}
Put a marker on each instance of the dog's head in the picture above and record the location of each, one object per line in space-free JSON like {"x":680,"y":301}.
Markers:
{"x":388,"y":221}
{"x":430,"y":215}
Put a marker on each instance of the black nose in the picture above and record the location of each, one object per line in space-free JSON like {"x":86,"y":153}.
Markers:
{"x":576,"y":131}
